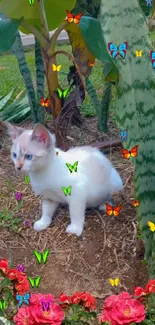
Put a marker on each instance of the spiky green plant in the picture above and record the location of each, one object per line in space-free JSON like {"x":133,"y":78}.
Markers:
{"x":135,"y":104}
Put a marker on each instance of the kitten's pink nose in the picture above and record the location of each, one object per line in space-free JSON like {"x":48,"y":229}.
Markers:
{"x":18,"y":166}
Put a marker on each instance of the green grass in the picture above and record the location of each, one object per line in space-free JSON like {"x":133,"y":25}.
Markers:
{"x":11,"y":77}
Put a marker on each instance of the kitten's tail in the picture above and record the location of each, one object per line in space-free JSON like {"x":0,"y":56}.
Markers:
{"x":117,"y":184}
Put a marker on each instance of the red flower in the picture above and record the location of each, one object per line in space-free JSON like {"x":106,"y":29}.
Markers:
{"x":150,"y":287}
{"x":22,"y":287}
{"x":88,"y":300}
{"x":12,"y":274}
{"x":4,"y":265}
{"x":122,"y":309}
{"x":140,"y":292}
{"x":65,"y":299}
{"x":76,"y":298}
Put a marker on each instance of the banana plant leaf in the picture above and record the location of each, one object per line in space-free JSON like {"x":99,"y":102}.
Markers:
{"x":8,"y":31}
{"x":92,"y":36}
{"x":81,"y":53}
{"x":55,"y":11}
{"x":18,"y":51}
{"x":135,"y":104}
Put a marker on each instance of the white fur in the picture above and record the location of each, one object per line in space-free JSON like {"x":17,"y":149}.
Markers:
{"x":92,"y":184}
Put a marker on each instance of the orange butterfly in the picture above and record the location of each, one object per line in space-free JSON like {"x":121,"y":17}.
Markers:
{"x":91,"y":64}
{"x":71,"y":18}
{"x":115,"y":211}
{"x":133,"y":152}
{"x":44,"y":102}
{"x":135,"y":203}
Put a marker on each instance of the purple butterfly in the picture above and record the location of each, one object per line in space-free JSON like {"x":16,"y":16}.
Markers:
{"x":20,"y":267}
{"x":45,"y":304}
{"x":18,"y":196}
{"x":27,"y":224}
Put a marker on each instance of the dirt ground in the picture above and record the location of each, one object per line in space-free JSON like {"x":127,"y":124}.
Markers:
{"x":108,"y":248}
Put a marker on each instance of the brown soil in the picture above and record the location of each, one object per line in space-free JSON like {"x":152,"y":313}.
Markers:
{"x":108,"y":248}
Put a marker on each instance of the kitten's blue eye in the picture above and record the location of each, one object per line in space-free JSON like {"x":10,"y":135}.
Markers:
{"x":28,"y":157}
{"x":14,"y":155}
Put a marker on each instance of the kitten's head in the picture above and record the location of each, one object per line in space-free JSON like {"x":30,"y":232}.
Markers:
{"x":31,"y":149}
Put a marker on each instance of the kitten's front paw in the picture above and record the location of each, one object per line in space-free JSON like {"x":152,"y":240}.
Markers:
{"x":40,"y":225}
{"x":74,"y":229}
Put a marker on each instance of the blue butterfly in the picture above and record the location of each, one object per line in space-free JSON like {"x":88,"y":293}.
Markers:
{"x":148,"y":2}
{"x":124,"y":135}
{"x":22,"y":299}
{"x":152,"y":56}
{"x":115,"y":51}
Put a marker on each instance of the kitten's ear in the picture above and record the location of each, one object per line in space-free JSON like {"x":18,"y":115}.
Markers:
{"x":41,"y":134}
{"x":13,"y":131}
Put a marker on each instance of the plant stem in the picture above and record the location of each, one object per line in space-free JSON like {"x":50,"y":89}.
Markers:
{"x":54,"y":38}
{"x":40,"y":38}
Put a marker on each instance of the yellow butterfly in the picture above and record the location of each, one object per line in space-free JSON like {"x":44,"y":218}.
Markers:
{"x":56,"y":67}
{"x":139,"y":53}
{"x":114,"y":282}
{"x":151,"y":225}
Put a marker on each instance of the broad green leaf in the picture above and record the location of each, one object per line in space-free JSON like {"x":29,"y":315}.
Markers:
{"x":5,"y":100}
{"x":94,"y":40}
{"x":6,"y":282}
{"x":8,"y":30}
{"x":55,"y":11}
{"x":81,"y":53}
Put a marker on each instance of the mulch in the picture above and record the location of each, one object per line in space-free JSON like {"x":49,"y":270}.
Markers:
{"x":108,"y":247}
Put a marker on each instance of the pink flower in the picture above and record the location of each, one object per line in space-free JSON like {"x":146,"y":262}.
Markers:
{"x":24,"y":316}
{"x":36,"y":298}
{"x":54,"y":315}
{"x":122,"y":309}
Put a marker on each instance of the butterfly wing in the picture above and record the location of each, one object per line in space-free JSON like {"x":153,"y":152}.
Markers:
{"x":123,"y":49}
{"x":151,"y":226}
{"x":116,"y":282}
{"x":113,"y":50}
{"x":54,"y":67}
{"x":77,"y":18}
{"x":26,"y":298}
{"x":109,"y":209}
{"x":19,"y":298}
{"x":126,"y":153}
{"x":112,"y":282}
{"x":37,"y":255}
{"x":45,"y":255}
{"x":65,"y":92}
{"x":60,"y":93}
{"x":70,"y":167}
{"x":69,"y":189}
{"x":58,"y":68}
{"x":37,"y":281}
{"x":117,"y":210}
{"x":64,"y":190}
{"x":134,"y":151}
{"x":32,"y":282}
{"x":42,"y":102}
{"x":47,"y":101}
{"x":69,"y":16}
{"x":75,"y":166}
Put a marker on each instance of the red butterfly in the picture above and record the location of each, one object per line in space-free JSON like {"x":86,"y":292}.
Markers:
{"x":44,"y":102}
{"x":91,"y":64}
{"x":133,"y":152}
{"x":71,"y":18}
{"x":113,"y":211}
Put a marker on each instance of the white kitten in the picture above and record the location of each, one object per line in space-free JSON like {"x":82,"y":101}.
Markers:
{"x":34,"y":153}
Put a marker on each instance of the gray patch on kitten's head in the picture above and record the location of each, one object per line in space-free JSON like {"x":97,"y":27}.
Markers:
{"x":38,"y":142}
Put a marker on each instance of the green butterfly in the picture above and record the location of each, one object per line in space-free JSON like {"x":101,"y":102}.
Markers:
{"x":27,"y":179}
{"x":41,"y":257}
{"x":72,"y":167}
{"x":67,"y":190}
{"x":63,"y":93}
{"x":31,"y":2}
{"x":34,"y":282}
{"x":3,"y":305}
